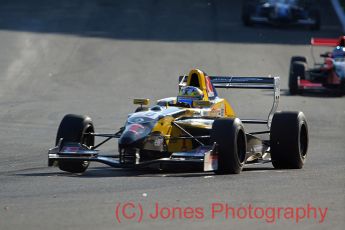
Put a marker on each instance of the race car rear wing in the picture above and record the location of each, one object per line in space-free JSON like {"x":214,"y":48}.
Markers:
{"x":239,"y":82}
{"x":328,"y":41}
{"x":324,"y":41}
{"x":247,"y":83}
{"x":251,"y":83}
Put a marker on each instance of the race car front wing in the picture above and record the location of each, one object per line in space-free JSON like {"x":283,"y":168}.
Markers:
{"x":202,"y":157}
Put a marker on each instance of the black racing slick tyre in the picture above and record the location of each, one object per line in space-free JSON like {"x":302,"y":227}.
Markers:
{"x":298,"y":58}
{"x":297,"y":70}
{"x":289,"y":140}
{"x":247,"y":10}
{"x":230,"y":139}
{"x":73,"y":128}
{"x":315,"y":14}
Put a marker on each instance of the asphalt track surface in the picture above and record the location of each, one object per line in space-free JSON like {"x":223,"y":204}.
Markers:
{"x":94,"y":57}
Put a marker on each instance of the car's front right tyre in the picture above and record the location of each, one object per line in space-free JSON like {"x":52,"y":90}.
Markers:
{"x":74,"y":128}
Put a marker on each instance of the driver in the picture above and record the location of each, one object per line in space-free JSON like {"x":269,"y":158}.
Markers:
{"x":188,"y":94}
{"x":338,"y":56}
{"x":338,"y":52}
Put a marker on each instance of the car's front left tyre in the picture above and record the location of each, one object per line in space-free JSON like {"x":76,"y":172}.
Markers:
{"x":231,"y":144}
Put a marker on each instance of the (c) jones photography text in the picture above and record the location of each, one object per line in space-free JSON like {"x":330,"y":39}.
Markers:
{"x":135,"y":212}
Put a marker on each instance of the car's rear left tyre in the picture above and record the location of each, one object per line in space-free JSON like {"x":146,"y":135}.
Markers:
{"x":74,"y":128}
{"x":230,"y":139}
{"x":297,"y":71}
{"x":289,"y":140}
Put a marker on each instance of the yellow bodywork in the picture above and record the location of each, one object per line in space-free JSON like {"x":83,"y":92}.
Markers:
{"x":212,"y":108}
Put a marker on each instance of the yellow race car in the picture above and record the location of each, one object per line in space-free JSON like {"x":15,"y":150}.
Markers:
{"x":195,"y":129}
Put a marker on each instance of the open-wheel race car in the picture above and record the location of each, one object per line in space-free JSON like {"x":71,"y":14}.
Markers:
{"x":281,"y":12}
{"x":197,"y":129}
{"x":326,"y":76}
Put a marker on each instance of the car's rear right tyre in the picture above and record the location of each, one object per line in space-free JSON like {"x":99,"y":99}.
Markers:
{"x":289,"y":140}
{"x":230,"y":139}
{"x":74,"y":128}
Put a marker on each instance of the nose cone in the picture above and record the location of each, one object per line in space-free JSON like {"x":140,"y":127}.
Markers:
{"x":128,"y":138}
{"x":133,"y":133}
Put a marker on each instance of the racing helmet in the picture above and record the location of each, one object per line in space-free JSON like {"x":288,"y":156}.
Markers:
{"x":338,"y":52}
{"x":188,"y":94}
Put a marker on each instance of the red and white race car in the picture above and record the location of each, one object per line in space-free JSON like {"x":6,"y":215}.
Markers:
{"x":328,"y":75}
